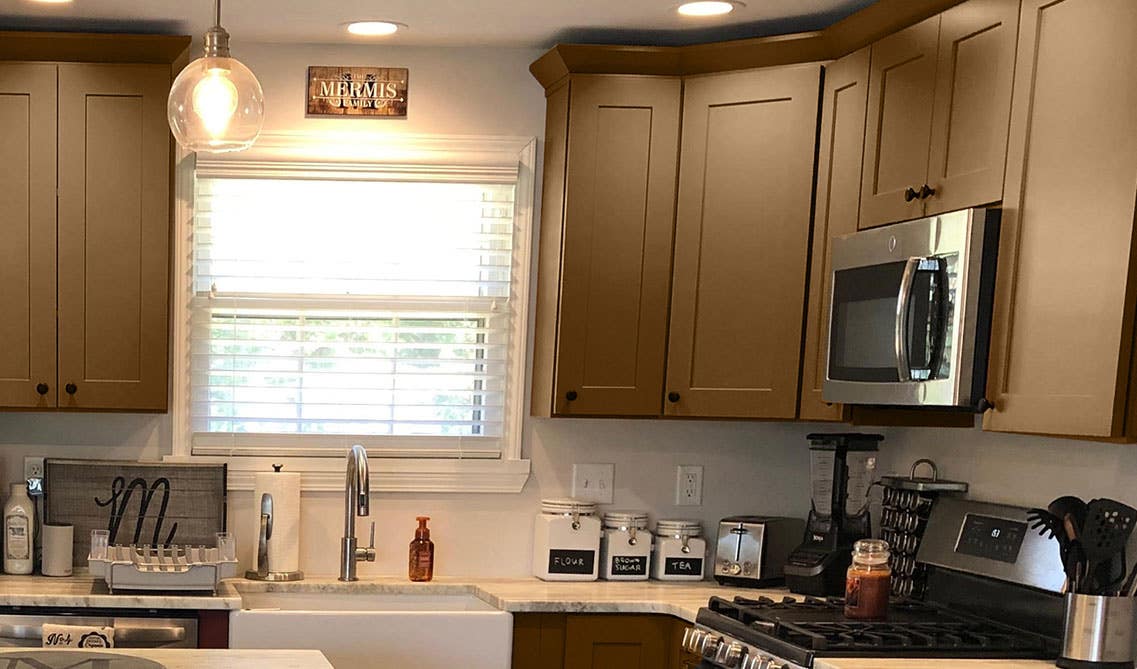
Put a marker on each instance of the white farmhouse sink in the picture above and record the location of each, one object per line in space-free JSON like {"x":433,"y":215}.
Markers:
{"x":357,"y":629}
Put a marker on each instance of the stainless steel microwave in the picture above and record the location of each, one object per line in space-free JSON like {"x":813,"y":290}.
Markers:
{"x":910,"y":314}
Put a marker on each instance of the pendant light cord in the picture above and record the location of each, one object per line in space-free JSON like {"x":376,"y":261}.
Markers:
{"x":217,"y":13}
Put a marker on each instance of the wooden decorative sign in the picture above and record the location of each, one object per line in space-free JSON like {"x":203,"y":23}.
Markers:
{"x":357,"y":91}
{"x":138,"y":503}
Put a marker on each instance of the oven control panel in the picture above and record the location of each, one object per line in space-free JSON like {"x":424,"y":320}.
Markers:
{"x":722,"y":651}
{"x":990,"y":540}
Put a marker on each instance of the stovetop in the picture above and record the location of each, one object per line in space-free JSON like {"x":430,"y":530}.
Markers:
{"x":800,"y":629}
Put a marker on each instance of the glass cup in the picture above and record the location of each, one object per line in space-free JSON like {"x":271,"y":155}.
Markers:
{"x":100,"y":540}
{"x":226,"y":546}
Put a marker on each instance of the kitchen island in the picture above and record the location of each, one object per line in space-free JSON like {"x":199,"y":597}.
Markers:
{"x":184,"y":658}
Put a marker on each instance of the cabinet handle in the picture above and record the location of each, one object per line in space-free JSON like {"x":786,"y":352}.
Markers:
{"x":71,"y":388}
{"x":673,"y":397}
{"x":926,"y":191}
{"x":571,"y":395}
{"x":42,"y":388}
{"x":911,"y":194}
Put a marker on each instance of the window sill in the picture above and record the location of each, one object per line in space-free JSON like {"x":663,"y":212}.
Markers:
{"x":387,"y":475}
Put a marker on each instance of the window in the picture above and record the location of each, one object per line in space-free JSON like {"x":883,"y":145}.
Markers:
{"x":329,"y":304}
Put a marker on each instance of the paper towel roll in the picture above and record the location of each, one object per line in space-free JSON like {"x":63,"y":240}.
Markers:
{"x":284,"y":547}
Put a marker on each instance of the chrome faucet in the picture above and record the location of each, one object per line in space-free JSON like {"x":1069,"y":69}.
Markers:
{"x":357,"y":501}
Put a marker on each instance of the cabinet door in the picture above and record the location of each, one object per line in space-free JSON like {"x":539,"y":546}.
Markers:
{"x":611,"y":641}
{"x":742,"y":243}
{"x":1063,"y":329}
{"x":838,"y":201}
{"x":623,"y":141}
{"x":972,"y":104}
{"x":27,"y":227}
{"x":897,"y":133}
{"x":114,"y":230}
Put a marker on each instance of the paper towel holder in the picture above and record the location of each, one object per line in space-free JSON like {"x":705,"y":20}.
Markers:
{"x":264,"y":571}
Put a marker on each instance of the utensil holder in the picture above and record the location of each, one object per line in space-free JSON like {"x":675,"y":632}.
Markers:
{"x":1099,"y":633}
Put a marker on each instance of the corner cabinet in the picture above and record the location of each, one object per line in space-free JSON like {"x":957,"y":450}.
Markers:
{"x":617,"y":312}
{"x":838,"y":198}
{"x":1062,"y":341}
{"x":939,"y":100}
{"x":88,"y":146}
{"x":742,"y":243}
{"x":607,"y":222}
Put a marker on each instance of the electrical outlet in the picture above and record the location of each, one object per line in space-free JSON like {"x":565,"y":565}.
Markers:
{"x":33,"y":467}
{"x":689,"y":485}
{"x":593,"y":483}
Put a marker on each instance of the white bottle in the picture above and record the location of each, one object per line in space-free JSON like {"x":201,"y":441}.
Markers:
{"x":19,"y":521}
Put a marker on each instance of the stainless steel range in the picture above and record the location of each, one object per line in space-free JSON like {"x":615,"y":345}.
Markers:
{"x":992,"y":593}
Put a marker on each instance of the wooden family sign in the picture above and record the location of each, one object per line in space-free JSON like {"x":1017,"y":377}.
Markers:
{"x":357,"y":91}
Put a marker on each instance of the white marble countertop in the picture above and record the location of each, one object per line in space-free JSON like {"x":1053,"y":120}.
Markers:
{"x":530,"y":595}
{"x":89,"y":592}
{"x":522,"y":595}
{"x":185,"y":658}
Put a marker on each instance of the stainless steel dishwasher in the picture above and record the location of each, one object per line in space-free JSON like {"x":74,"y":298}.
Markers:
{"x":133,"y":630}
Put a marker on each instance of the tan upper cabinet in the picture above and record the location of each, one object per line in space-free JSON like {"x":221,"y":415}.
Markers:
{"x":902,"y":84}
{"x":939,"y":100}
{"x":742,"y":243}
{"x":1062,"y":337}
{"x":84,"y":213}
{"x":114,"y":231}
{"x":612,"y":146}
{"x":27,"y":228}
{"x":837,"y":203}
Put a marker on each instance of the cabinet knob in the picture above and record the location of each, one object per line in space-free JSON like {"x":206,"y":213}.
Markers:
{"x":571,"y":395}
{"x":984,"y":405}
{"x":71,"y":388}
{"x":673,"y":397}
{"x":910,"y":194}
{"x":42,"y":388}
{"x":926,"y":191}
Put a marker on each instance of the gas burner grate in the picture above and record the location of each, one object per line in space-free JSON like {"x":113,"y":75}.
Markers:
{"x":911,"y":636}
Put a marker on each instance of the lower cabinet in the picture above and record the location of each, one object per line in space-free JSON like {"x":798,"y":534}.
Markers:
{"x":602,"y":641}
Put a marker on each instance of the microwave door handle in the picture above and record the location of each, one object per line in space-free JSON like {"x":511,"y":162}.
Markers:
{"x":940,"y":332}
{"x":903,"y":368}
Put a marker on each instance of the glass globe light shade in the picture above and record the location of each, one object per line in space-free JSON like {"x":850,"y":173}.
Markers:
{"x":216,"y":105}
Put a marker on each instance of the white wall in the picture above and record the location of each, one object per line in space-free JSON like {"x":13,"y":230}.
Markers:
{"x":749,"y":467}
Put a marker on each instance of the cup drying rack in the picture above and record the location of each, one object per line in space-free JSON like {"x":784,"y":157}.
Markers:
{"x":169,"y":568}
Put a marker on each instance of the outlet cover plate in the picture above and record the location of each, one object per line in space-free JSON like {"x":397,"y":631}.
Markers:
{"x":593,"y":482}
{"x":33,"y":467}
{"x":689,"y":485}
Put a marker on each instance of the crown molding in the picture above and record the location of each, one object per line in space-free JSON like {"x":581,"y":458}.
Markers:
{"x":851,"y":33}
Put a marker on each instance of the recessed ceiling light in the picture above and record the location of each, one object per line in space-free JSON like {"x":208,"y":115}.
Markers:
{"x":707,"y":8}
{"x":373,"y":28}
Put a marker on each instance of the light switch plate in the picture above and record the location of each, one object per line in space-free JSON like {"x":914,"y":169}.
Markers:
{"x":593,"y":482}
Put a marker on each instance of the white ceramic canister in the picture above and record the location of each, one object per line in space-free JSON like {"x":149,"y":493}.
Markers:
{"x":680,"y":551}
{"x":566,"y":541}
{"x":625,"y":546}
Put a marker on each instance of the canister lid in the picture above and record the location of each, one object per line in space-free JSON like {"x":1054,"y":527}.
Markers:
{"x":615,"y":520}
{"x":676,"y":527}
{"x":568,"y":505}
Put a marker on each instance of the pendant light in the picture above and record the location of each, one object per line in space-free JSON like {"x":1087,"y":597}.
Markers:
{"x":216,"y":104}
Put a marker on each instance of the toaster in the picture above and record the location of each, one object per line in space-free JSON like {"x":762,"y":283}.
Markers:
{"x":752,"y":550}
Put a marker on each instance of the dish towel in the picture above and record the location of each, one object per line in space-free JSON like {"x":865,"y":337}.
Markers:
{"x":77,"y":636}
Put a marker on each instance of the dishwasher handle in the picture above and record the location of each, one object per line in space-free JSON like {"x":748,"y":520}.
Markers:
{"x":136,"y":636}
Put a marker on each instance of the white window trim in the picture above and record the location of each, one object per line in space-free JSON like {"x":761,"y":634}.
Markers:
{"x":354,"y":152}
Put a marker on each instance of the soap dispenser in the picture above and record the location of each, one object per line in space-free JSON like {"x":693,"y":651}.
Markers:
{"x":421,"y":562}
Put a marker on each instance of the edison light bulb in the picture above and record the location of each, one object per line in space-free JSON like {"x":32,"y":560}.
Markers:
{"x":215,"y":100}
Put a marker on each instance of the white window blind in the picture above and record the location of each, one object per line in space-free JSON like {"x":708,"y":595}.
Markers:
{"x":328,"y":310}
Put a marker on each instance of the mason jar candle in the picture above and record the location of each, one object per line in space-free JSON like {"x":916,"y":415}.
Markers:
{"x":680,"y":551}
{"x":566,"y":541}
{"x":625,"y":546}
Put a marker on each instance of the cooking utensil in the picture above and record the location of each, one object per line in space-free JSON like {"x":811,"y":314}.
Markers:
{"x":1047,"y":524}
{"x":1107,"y":528}
{"x":1068,"y":504}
